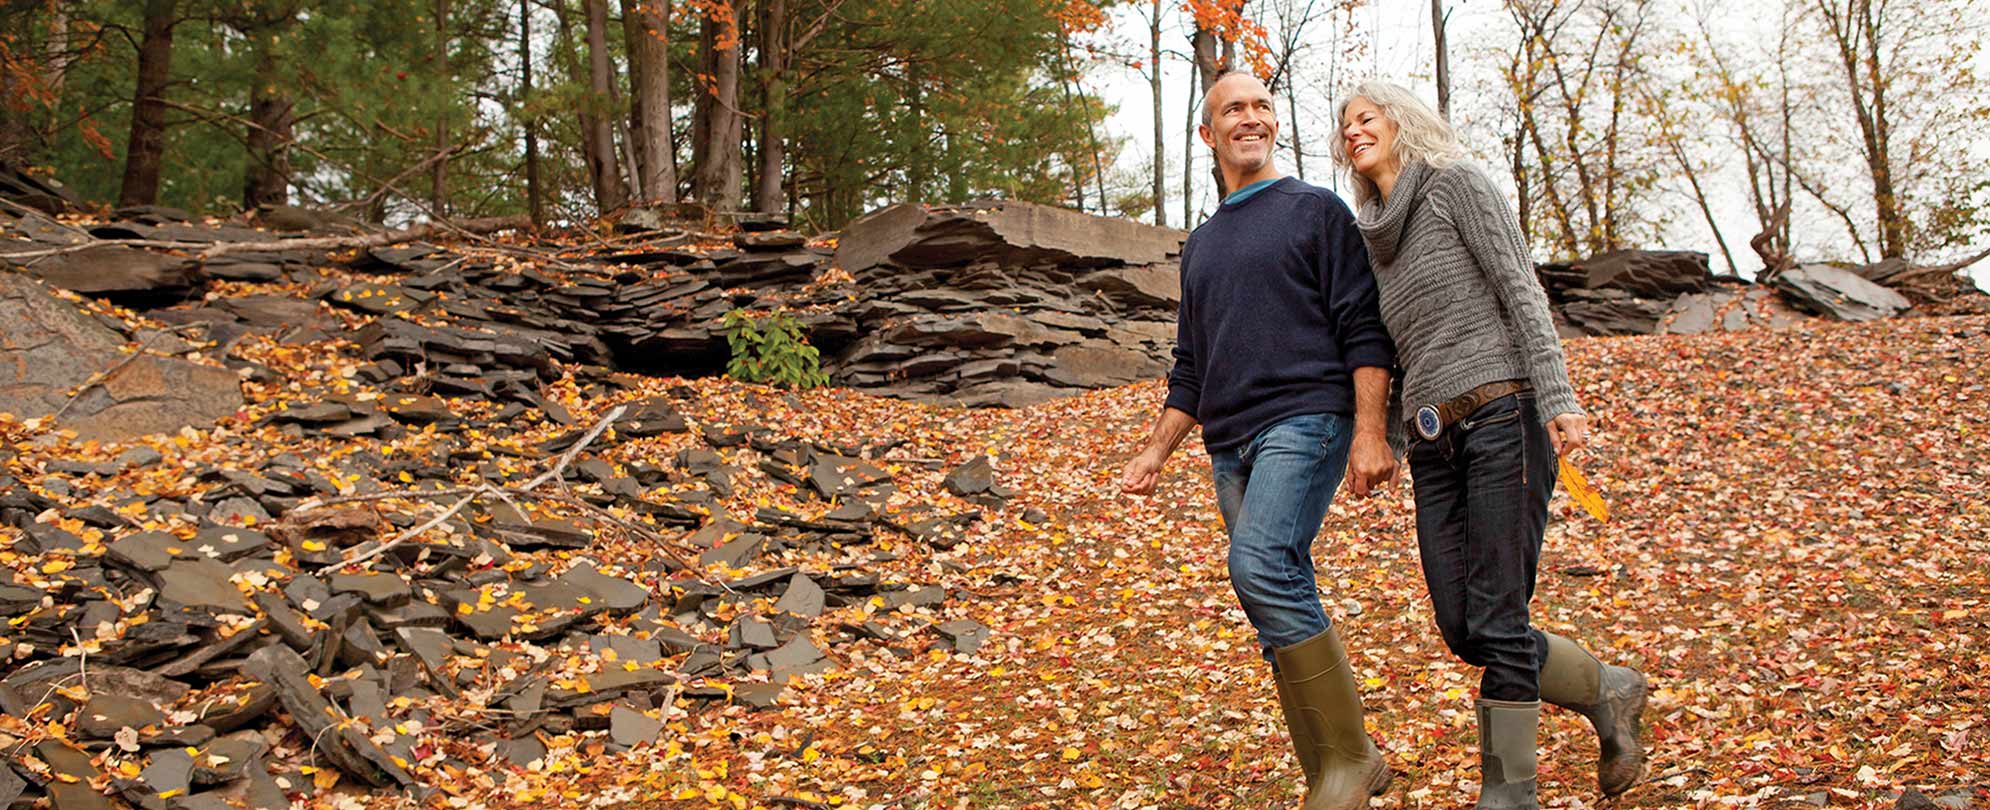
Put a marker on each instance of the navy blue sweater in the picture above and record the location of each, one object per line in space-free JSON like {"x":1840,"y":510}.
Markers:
{"x":1278,"y":310}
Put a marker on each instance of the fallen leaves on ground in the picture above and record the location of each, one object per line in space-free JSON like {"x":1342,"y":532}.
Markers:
{"x":1796,"y":558}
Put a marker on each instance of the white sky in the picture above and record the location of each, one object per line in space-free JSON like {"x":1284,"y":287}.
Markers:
{"x":1400,"y":50}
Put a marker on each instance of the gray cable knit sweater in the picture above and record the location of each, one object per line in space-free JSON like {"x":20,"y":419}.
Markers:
{"x":1458,"y":290}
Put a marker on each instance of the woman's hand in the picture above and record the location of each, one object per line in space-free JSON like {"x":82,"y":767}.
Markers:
{"x":1569,"y":432}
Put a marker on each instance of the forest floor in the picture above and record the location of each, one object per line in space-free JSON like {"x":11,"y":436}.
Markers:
{"x":1796,"y":558}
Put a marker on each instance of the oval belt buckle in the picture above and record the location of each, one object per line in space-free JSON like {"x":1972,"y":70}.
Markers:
{"x":1427,"y":424}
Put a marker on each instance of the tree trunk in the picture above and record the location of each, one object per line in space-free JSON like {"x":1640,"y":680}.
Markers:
{"x":1443,"y":59}
{"x":438,"y":176}
{"x":767,"y":196}
{"x":266,"y":178}
{"x":649,"y":94}
{"x":1209,"y":67}
{"x":1855,"y":30}
{"x":1207,"y":64}
{"x":623,"y":118}
{"x":649,"y":67}
{"x":1188,"y":151}
{"x":1298,"y":153}
{"x":1077,"y":173}
{"x":717,"y":176}
{"x":916,"y":174}
{"x":608,"y":190}
{"x":535,"y":197}
{"x":18,"y":138}
{"x":1160,"y":144}
{"x":145,"y":151}
{"x":60,"y":57}
{"x":57,"y":48}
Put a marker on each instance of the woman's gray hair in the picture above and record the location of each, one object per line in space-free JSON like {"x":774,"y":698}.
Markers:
{"x":1420,"y":133}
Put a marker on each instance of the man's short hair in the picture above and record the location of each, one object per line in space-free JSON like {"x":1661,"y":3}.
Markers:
{"x":1209,"y":115}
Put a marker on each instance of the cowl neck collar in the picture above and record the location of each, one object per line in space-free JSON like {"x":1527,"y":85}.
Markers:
{"x":1382,"y":222}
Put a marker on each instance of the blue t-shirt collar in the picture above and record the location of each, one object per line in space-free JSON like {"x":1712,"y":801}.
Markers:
{"x":1245,"y":193}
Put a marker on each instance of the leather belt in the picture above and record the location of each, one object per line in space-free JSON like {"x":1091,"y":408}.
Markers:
{"x":1431,"y":420}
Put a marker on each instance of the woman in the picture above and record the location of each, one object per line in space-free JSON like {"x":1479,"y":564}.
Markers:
{"x":1492,"y":409}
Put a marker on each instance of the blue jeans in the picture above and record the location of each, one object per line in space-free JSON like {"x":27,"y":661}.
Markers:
{"x":1274,"y":492}
{"x":1482,"y":490}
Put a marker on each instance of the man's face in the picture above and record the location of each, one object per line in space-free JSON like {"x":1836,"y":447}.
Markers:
{"x":1242,"y":124}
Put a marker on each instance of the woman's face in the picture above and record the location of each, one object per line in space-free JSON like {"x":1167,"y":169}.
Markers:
{"x":1370,"y":136}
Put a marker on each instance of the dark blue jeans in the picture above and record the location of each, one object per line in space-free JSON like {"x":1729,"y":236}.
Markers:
{"x":1274,"y":492}
{"x":1482,"y":490}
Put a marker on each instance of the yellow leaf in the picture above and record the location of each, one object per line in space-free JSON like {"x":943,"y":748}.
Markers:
{"x":57,"y":566}
{"x":325,"y":779}
{"x":1579,"y":489}
{"x":1070,"y":754}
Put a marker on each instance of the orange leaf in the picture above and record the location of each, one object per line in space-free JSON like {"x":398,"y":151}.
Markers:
{"x":1578,"y":488}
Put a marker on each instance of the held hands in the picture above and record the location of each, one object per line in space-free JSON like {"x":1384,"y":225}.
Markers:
{"x":1569,"y":432}
{"x":1142,"y":473}
{"x":1370,"y":464}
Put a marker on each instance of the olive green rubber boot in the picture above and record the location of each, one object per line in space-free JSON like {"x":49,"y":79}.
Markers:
{"x":1327,"y":706}
{"x":1302,"y":739}
{"x":1506,"y":754}
{"x":1613,"y":698}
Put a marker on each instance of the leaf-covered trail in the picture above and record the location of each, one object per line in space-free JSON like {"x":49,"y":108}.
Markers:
{"x":1801,"y":519}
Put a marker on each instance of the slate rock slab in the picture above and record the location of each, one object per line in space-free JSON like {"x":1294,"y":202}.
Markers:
{"x":145,"y":551}
{"x":1100,"y":365}
{"x":11,"y":787}
{"x":613,"y":593}
{"x":227,"y":543}
{"x":1839,"y":293}
{"x":802,"y":598}
{"x":380,"y":299}
{"x":71,"y":790}
{"x":105,"y":713}
{"x":734,"y":553}
{"x":239,"y":511}
{"x":49,"y":347}
{"x":417,"y":409}
{"x":797,"y":657}
{"x":975,"y":477}
{"x":1646,"y":273}
{"x":916,"y":235}
{"x":343,"y":745}
{"x":965,"y":635}
{"x":630,"y":728}
{"x":168,"y":774}
{"x":123,"y":274}
{"x":385,"y":590}
{"x":758,"y":696}
{"x":200,"y":584}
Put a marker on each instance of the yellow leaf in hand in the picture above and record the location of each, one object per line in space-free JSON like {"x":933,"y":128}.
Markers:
{"x":1578,"y":488}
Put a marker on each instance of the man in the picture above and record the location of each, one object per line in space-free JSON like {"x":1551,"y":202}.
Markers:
{"x":1281,"y":356}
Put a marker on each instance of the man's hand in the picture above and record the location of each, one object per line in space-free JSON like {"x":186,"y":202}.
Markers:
{"x":1569,"y":432}
{"x":1370,"y":464}
{"x":1142,"y":473}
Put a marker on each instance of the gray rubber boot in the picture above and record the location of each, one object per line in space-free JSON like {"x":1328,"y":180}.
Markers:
{"x":1613,"y":698}
{"x":1302,"y":737}
{"x":1506,"y":754}
{"x":1327,"y":705}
